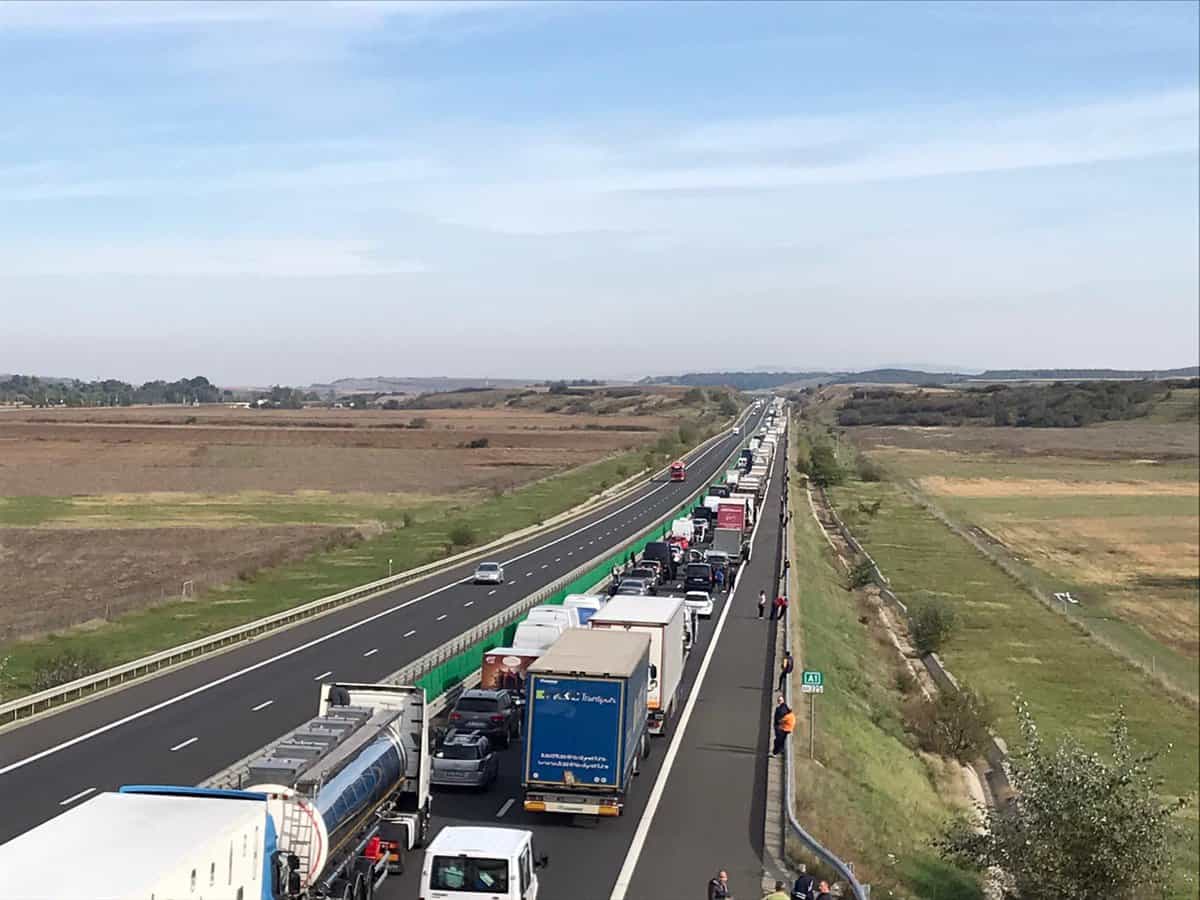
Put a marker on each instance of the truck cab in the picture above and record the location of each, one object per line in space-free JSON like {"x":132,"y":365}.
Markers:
{"x":469,"y":863}
{"x":679,"y":470}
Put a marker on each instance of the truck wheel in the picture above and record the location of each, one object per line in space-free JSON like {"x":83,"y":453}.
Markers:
{"x":637,"y":764}
{"x":645,"y":746}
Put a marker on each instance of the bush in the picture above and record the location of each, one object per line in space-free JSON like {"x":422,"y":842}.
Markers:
{"x":64,"y":666}
{"x":868,"y":469}
{"x":862,"y":574}
{"x":477,"y":443}
{"x":823,"y":465}
{"x":930,"y":623}
{"x":905,"y":682}
{"x":461,"y":535}
{"x":419,"y":422}
{"x":406,"y":519}
{"x":954,"y":725}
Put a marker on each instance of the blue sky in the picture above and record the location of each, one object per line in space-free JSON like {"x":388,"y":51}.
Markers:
{"x":273,"y":192}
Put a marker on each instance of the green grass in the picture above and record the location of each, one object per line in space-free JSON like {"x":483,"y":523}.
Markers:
{"x":959,"y":464}
{"x":1182,"y":406}
{"x":1008,"y":643}
{"x":30,"y":511}
{"x":283,"y":587}
{"x":872,"y":795}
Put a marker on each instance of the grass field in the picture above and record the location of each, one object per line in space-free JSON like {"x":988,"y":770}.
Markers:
{"x":872,"y":798}
{"x":1010,"y":644}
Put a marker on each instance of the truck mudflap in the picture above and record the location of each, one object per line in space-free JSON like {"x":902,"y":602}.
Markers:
{"x":576,"y":804}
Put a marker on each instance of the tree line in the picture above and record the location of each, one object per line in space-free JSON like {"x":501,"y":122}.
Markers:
{"x":1058,"y":405}
{"x":33,"y":391}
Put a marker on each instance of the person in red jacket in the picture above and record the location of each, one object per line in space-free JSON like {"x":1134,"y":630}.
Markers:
{"x":781,"y":603}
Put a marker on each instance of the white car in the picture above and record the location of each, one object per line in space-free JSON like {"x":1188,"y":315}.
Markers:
{"x":489,"y":573}
{"x":700,"y":602}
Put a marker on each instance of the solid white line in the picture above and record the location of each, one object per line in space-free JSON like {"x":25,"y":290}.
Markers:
{"x":409,"y":633}
{"x":262,"y":705}
{"x":323,"y":675}
{"x":639,"y":838}
{"x":469,"y":603}
{"x":505,"y":808}
{"x":490,"y":593}
{"x":263,"y":663}
{"x":374,"y":650}
{"x":442,"y":616}
{"x":87,"y":791}
{"x":186,"y":743}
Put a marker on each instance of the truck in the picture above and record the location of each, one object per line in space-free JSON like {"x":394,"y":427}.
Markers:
{"x":751,"y":501}
{"x":684,"y":529}
{"x":679,"y":470}
{"x":728,"y":540}
{"x":143,"y":842}
{"x":585,"y":722}
{"x":469,"y":862}
{"x":732,"y":514}
{"x":329,"y":810}
{"x":347,"y":791}
{"x":662,"y":619}
{"x":731,"y":478}
{"x":506,"y":668}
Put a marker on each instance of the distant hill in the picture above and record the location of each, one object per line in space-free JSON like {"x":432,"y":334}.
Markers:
{"x":411,"y":385}
{"x":759,"y":381}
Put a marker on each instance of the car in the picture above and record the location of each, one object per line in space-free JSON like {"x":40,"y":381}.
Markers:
{"x":649,"y":574}
{"x":698,"y":577}
{"x":465,"y":759}
{"x":489,"y":573}
{"x":638,"y":587}
{"x":700,"y":602}
{"x":659,"y":570}
{"x":695,"y":556}
{"x":494,"y":714}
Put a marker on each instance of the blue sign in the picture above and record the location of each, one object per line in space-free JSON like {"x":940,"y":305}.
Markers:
{"x":575,"y":731}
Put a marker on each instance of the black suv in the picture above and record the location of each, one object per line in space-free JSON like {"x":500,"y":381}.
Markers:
{"x":493,"y":714}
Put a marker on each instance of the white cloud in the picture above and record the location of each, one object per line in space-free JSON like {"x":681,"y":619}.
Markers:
{"x":298,"y":258}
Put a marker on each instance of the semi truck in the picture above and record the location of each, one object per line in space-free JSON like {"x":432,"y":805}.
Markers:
{"x":585,"y":722}
{"x":329,"y":810}
{"x":662,"y":619}
{"x":728,"y":540}
{"x":732,"y":513}
{"x":679,"y":470}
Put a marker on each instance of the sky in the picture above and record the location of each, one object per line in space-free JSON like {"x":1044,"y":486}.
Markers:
{"x":269,"y":192}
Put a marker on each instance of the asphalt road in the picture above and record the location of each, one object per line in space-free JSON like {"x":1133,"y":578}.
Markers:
{"x":711,"y":810}
{"x":188,"y":723}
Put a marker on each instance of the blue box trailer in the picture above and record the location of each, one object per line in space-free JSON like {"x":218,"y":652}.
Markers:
{"x":585,"y":722}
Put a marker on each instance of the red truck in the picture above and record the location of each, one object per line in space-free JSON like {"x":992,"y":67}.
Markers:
{"x":678,"y":471}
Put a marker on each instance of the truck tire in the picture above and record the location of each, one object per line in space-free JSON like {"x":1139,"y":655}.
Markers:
{"x":645,"y":745}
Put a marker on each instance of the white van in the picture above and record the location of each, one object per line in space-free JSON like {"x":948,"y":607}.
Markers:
{"x":567,"y":616}
{"x":537,"y":635}
{"x":472,"y":863}
{"x":587,"y":605}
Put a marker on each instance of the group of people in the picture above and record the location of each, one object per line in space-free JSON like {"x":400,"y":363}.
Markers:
{"x":777,"y":607}
{"x":806,"y":888}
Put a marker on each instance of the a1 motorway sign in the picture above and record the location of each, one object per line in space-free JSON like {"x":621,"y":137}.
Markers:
{"x":813,"y":682}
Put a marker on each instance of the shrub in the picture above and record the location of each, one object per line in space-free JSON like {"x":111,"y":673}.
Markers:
{"x":954,"y":725}
{"x":862,"y":574}
{"x":930,"y":622}
{"x":477,"y":443}
{"x":461,"y":535}
{"x":419,"y":422}
{"x":824,"y":467}
{"x":64,"y":666}
{"x":868,"y":469}
{"x":406,"y":519}
{"x":905,"y":682}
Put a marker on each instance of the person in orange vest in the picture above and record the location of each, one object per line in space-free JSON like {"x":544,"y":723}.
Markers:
{"x":785,"y":726}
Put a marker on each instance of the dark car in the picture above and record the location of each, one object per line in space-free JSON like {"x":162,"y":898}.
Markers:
{"x":718,"y":490}
{"x":698,"y":577}
{"x":661,"y":551}
{"x":494,"y":714}
{"x":465,"y":759}
{"x":638,"y":587}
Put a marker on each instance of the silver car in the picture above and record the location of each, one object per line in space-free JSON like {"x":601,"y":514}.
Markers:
{"x":489,"y":573}
{"x":465,"y":759}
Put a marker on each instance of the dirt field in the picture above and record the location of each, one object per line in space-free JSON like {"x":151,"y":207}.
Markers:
{"x":116,"y":507}
{"x":79,"y":575}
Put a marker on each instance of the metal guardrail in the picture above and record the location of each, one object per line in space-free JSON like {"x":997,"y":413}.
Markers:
{"x":234,"y":776}
{"x":32,"y":704}
{"x":859,"y":891}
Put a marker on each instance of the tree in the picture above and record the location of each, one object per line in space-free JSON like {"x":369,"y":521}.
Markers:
{"x":823,"y":464}
{"x":930,"y":622}
{"x":955,"y":724}
{"x":1081,"y":826}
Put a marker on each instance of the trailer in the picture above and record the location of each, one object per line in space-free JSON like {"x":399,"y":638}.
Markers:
{"x":585,"y":723}
{"x":662,"y":619}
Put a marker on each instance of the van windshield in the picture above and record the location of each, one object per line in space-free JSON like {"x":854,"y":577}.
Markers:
{"x":471,"y":876}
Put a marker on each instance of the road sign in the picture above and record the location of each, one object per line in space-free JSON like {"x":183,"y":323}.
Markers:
{"x":813,"y":682}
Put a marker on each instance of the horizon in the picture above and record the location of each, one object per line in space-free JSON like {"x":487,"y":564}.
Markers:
{"x":281,"y":192}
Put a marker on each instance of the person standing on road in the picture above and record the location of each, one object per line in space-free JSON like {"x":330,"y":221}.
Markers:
{"x":823,"y":891}
{"x":718,"y":888}
{"x":719,"y":577}
{"x":780,"y":892}
{"x":781,"y":710}
{"x":781,"y":603}
{"x":762,"y":603}
{"x":786,"y":668}
{"x":786,"y":725}
{"x":805,"y":887}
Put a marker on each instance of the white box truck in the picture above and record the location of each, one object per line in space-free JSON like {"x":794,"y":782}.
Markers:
{"x":662,"y":619}
{"x":470,"y":863}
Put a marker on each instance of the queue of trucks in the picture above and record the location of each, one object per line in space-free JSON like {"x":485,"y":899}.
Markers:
{"x":332,"y":808}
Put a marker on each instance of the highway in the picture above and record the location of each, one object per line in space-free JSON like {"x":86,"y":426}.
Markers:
{"x":188,"y":723}
{"x":710,"y":814}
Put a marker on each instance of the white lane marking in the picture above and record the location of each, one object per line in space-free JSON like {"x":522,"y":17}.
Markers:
{"x":570,"y":553}
{"x":410,"y":633}
{"x":469,"y":603}
{"x":558,"y":559}
{"x":323,"y":675}
{"x":545,"y":565}
{"x":84,"y":793}
{"x":262,"y":705}
{"x":505,"y":808}
{"x":374,"y":650}
{"x":514,"y":581}
{"x":186,"y":743}
{"x":442,"y":616}
{"x":625,"y":876}
{"x":315,"y":642}
{"x":490,"y":593}
{"x":528,"y":574}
